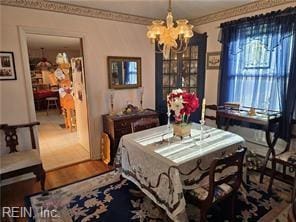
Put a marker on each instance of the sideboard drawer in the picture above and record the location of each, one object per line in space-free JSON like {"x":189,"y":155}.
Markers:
{"x":122,"y":131}
{"x":122,"y":124}
{"x":117,"y":126}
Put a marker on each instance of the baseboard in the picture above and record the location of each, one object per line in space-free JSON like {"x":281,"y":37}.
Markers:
{"x":17,"y":179}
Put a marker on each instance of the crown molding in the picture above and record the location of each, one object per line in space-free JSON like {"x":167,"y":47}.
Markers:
{"x":53,"y":6}
{"x":77,"y":10}
{"x":236,"y":11}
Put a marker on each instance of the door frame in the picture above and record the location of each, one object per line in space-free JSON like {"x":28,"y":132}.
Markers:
{"x":23,"y":31}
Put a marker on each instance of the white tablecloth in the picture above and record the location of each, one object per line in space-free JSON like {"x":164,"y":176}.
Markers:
{"x":162,"y":165}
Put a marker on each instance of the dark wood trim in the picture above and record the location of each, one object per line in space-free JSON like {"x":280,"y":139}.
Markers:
{"x":11,"y":139}
{"x":125,"y":58}
{"x":279,"y":176}
{"x":25,"y":125}
{"x":234,"y":180}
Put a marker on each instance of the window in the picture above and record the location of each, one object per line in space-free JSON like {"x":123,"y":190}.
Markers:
{"x":257,"y":56}
{"x":258,"y":67}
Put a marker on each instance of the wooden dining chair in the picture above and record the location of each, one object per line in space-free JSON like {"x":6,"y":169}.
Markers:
{"x":20,"y":162}
{"x":210,"y":115}
{"x":211,"y":108}
{"x":144,"y":123}
{"x":287,"y":159}
{"x":225,"y":178}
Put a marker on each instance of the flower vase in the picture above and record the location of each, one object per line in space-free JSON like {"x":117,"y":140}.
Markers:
{"x":182,"y":129}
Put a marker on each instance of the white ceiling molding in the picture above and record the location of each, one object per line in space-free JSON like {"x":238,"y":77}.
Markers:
{"x":122,"y":17}
{"x":236,"y":11}
{"x":77,"y":10}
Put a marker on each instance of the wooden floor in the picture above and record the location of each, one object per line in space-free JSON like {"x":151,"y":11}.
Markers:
{"x":13,"y":195}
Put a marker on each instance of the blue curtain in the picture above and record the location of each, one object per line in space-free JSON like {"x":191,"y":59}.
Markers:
{"x":258,"y":63}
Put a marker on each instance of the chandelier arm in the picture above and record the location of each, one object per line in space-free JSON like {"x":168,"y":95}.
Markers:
{"x":186,"y":46}
{"x":159,"y":49}
{"x":180,"y":49}
{"x":180,"y":46}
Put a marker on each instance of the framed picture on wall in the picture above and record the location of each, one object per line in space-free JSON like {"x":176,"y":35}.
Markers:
{"x":213,"y":60}
{"x":7,"y":66}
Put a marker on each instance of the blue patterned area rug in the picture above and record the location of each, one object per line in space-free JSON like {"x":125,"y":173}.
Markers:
{"x":107,"y":198}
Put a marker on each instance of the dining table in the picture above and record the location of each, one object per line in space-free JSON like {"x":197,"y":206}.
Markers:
{"x":164,"y":166}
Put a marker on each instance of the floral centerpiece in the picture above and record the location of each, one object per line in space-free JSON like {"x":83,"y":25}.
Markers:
{"x":183,"y":104}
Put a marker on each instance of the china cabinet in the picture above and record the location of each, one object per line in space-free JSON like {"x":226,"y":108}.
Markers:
{"x":181,"y":70}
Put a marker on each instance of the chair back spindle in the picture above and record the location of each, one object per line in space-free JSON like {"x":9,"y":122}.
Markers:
{"x":11,"y":137}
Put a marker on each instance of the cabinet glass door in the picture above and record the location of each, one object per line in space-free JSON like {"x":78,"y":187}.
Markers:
{"x":189,"y":74}
{"x":170,"y":74}
{"x":183,"y":70}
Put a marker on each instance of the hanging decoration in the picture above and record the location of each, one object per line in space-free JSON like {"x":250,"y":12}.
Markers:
{"x":44,"y":64}
{"x":168,"y":36}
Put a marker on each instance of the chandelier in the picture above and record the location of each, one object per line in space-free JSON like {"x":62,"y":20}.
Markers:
{"x":62,"y":58}
{"x":168,"y":36}
{"x":44,"y":64}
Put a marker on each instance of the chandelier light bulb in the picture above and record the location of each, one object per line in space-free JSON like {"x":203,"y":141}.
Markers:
{"x":166,"y":35}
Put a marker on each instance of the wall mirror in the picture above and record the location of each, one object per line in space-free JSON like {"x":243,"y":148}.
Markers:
{"x":124,"y":72}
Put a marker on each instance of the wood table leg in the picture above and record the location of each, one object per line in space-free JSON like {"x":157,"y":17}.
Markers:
{"x":219,"y":124}
{"x":227,"y":124}
{"x":264,"y":165}
{"x":218,"y":121}
{"x":273,"y":167}
{"x":271,"y":144}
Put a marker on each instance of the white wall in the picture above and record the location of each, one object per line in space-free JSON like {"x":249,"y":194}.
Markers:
{"x":212,"y":76}
{"x":102,"y":38}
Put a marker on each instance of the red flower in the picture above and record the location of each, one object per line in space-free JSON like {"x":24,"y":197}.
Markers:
{"x":188,"y":100}
{"x":191,"y":103}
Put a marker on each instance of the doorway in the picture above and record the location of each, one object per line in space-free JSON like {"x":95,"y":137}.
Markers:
{"x":58,"y":87}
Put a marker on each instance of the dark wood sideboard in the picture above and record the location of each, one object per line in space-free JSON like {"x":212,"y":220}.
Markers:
{"x":118,"y":125}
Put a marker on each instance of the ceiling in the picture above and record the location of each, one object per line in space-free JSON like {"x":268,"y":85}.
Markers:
{"x":49,"y":42}
{"x":189,"y":9}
